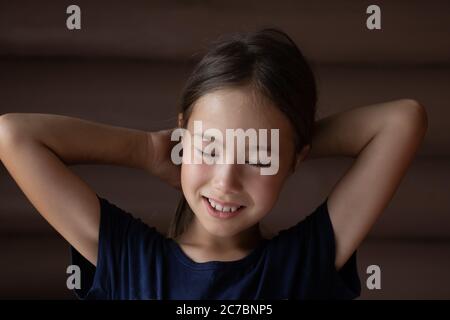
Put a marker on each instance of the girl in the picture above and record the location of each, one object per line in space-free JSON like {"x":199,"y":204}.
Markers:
{"x":214,"y":249}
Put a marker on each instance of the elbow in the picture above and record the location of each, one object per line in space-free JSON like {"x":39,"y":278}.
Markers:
{"x":411,"y":115}
{"x":10,"y":131}
{"x":417,"y":113}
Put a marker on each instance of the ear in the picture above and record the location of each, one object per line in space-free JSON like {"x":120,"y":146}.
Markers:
{"x":302,"y":155}
{"x":180,"y":120}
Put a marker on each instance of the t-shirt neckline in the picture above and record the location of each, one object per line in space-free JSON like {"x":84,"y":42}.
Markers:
{"x":185,"y":259}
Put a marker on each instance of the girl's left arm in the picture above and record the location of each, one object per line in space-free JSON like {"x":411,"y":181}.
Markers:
{"x":384,"y":139}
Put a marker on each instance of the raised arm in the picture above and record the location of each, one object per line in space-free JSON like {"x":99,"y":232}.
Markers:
{"x":384,"y":139}
{"x":35,"y":149}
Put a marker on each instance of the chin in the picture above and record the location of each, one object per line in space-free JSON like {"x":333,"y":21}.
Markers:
{"x":220,"y":229}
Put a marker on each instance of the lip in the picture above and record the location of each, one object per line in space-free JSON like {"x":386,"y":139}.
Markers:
{"x":218,"y":214}
{"x":224,"y":204}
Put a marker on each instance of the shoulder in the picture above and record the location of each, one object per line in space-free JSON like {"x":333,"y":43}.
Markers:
{"x":126,"y":247}
{"x":318,"y":218}
{"x":306,"y":252}
{"x":119,"y":221}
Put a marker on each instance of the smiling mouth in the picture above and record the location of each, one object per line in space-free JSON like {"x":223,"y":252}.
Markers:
{"x":221,"y":211}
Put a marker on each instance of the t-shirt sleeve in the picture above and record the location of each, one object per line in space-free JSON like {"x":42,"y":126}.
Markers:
{"x":307,"y":251}
{"x":124,"y":246}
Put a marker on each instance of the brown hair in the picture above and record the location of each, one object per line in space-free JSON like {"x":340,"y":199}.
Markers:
{"x":271,"y":63}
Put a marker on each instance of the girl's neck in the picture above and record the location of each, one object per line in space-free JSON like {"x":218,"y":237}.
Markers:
{"x":196,"y":235}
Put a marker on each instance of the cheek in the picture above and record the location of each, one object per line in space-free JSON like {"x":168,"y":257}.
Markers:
{"x":193,"y":176}
{"x":264,"y":191}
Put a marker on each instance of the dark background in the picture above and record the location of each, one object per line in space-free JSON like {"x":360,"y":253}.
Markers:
{"x":127,"y":66}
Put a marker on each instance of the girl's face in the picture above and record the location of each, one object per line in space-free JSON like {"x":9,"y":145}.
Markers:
{"x":234,"y":184}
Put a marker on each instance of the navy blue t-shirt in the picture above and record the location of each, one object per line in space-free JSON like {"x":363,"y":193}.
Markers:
{"x":135,"y":261}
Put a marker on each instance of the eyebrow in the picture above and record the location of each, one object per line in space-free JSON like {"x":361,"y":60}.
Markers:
{"x":212,"y":138}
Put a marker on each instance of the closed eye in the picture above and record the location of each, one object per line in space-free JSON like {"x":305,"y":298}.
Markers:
{"x":259,"y":165}
{"x":206,"y":154}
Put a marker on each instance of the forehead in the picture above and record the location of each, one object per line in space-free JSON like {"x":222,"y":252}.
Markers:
{"x":240,"y":107}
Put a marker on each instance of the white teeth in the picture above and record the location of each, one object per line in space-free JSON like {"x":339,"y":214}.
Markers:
{"x":218,"y":207}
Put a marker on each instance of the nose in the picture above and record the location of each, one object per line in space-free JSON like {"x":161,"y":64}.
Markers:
{"x":227,"y":178}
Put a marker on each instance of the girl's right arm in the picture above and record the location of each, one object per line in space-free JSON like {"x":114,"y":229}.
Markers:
{"x":36,"y":149}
